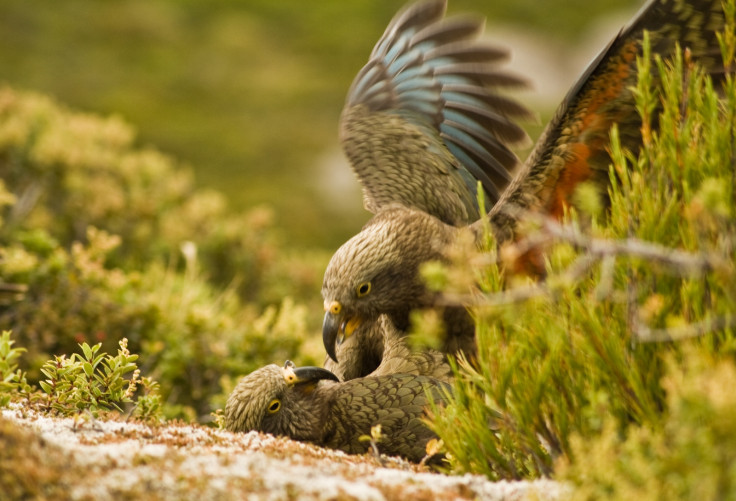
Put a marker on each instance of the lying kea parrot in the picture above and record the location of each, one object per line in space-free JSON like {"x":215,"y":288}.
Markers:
{"x":421,"y":126}
{"x":309,"y":404}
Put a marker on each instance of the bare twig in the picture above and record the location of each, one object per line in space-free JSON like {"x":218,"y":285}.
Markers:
{"x":684,"y":263}
{"x":645,"y":334}
{"x":596,"y":249}
{"x":605,"y":285}
{"x":520,"y":294}
{"x":10,"y":293}
{"x":551,"y":231}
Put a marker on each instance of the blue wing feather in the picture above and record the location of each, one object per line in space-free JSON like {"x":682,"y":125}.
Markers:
{"x":432,"y":71}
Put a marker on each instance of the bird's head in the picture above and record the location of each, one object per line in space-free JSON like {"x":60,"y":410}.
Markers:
{"x":271,"y":399}
{"x":377,"y":272}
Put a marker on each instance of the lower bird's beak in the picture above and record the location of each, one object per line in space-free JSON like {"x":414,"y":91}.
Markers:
{"x":306,"y":375}
{"x":336,"y":327}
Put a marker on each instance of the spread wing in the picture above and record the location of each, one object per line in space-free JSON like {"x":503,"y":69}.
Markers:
{"x":573,"y":147}
{"x":423,"y":121}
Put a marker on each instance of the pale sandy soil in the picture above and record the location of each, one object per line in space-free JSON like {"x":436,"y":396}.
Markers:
{"x":55,"y":458}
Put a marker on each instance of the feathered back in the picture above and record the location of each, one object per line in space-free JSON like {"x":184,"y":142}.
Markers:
{"x":423,"y":122}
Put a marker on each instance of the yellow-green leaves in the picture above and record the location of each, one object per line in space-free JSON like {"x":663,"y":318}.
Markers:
{"x":91,"y":381}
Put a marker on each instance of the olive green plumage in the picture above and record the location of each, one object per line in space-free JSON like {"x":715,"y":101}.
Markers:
{"x":307,"y":404}
{"x":395,"y":285}
{"x":423,"y":121}
{"x":423,"y":124}
{"x":378,"y":349}
{"x":377,"y":271}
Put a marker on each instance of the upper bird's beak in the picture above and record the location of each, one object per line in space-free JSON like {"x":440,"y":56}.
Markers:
{"x":336,"y":327}
{"x":309,"y":375}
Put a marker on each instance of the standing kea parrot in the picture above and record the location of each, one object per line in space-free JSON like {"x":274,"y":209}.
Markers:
{"x":309,"y":404}
{"x":422,"y":125}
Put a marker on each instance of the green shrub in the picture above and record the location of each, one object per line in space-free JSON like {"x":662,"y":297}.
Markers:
{"x":190,"y":334}
{"x":101,"y":240}
{"x":568,"y":368}
{"x":92,"y":381}
{"x":690,"y":456}
{"x":65,"y":171}
{"x":12,"y":379}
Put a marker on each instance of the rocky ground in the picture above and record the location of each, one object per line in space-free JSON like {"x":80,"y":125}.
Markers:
{"x":55,"y":458}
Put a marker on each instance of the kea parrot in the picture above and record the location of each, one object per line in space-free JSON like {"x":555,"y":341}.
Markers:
{"x":422,"y":124}
{"x":309,"y":404}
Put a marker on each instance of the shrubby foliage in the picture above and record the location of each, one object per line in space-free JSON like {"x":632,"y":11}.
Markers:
{"x":614,"y":373}
{"x":95,"y":381}
{"x":690,"y":455}
{"x":12,"y":379}
{"x":92,"y":382}
{"x":102,"y":240}
{"x":68,"y":171}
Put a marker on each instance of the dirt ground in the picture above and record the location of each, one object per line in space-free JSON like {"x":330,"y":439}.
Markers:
{"x":64,"y":458}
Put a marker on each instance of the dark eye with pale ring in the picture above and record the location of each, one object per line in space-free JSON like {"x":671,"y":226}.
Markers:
{"x":274,"y":406}
{"x":363,"y":289}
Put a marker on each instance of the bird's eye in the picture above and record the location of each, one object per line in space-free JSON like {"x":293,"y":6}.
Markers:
{"x":274,"y":406}
{"x":363,"y":289}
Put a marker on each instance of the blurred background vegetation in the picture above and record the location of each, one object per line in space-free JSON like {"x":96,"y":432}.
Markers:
{"x":249,"y":92}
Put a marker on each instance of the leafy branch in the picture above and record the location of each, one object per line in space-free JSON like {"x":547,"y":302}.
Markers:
{"x":95,"y":381}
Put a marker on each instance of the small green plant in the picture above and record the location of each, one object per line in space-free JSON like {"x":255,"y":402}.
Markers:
{"x":374,"y":438}
{"x":91,"y":381}
{"x":218,"y":418}
{"x":94,"y":381}
{"x":148,"y":405}
{"x":12,"y":380}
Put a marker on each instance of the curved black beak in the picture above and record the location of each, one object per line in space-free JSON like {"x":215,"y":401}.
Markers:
{"x":302,"y":375}
{"x":330,"y":331}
